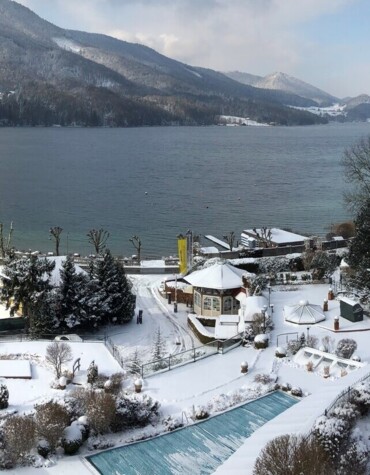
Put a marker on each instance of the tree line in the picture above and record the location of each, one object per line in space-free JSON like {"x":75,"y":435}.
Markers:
{"x":79,"y":301}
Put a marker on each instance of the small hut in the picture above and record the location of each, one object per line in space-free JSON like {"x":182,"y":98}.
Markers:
{"x":303,"y":313}
{"x":215,"y":289}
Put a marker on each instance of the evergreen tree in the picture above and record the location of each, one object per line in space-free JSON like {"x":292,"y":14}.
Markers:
{"x":44,"y":315}
{"x":158,"y":349}
{"x":359,"y":250}
{"x":119,"y":301}
{"x":91,"y":300}
{"x":4,"y":396}
{"x":135,"y":363}
{"x":70,"y":289}
{"x":26,"y":281}
{"x":92,"y":373}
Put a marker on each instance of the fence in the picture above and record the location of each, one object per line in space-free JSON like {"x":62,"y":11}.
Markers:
{"x":189,"y":356}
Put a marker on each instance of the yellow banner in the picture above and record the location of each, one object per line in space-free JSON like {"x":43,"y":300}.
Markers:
{"x":182,"y":248}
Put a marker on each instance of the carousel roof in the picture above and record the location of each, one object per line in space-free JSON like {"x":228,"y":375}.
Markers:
{"x":304,"y":313}
{"x":221,"y":276}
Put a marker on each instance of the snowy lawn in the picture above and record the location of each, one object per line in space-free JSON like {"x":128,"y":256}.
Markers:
{"x":215,"y":382}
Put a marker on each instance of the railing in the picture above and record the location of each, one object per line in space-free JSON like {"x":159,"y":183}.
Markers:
{"x":189,"y":356}
{"x":287,"y":337}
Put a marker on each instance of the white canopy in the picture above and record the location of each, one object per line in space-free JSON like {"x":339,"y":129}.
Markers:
{"x":303,"y":313}
{"x":221,"y":276}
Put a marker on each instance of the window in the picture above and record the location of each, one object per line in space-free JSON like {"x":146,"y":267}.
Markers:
{"x":197,"y":299}
{"x":228,"y":302}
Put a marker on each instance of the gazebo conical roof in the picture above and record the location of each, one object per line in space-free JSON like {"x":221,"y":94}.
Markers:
{"x":221,"y":276}
{"x":303,"y":313}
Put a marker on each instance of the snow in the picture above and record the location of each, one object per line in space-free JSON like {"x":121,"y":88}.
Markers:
{"x":304,"y":313}
{"x":55,"y":278}
{"x":68,"y":44}
{"x":234,"y":120}
{"x":221,"y":276}
{"x":215,"y":382}
{"x":15,"y":369}
{"x":279,"y":236}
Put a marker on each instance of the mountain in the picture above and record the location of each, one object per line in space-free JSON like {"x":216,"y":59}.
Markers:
{"x":50,"y":75}
{"x":284,"y":82}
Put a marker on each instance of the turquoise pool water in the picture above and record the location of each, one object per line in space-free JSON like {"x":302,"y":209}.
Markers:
{"x":194,"y":450}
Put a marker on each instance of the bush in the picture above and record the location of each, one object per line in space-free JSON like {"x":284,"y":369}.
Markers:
{"x":292,"y":455}
{"x":294,"y":346}
{"x":4,"y":396}
{"x":19,"y":437}
{"x":309,"y":366}
{"x":280,"y":352}
{"x":263,"y":379}
{"x":327,"y":344}
{"x":296,"y":392}
{"x":286,"y":387}
{"x":51,"y":419}
{"x":346,"y":411}
{"x":201,"y":413}
{"x":100,"y":411}
{"x":116,"y":382}
{"x":360,"y":397}
{"x":134,"y":410}
{"x":171,"y":423}
{"x":43,"y":448}
{"x":332,"y":433}
{"x":346,"y":348}
{"x":72,"y":439}
{"x":92,"y":373}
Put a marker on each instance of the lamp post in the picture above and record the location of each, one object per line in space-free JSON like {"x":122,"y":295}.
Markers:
{"x":308,"y":333}
{"x":263,"y":311}
{"x":272,"y":308}
{"x":269,"y":289}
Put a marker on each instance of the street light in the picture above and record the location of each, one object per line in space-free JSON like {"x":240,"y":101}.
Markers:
{"x":308,"y":333}
{"x":263,"y":311}
{"x":272,"y":307}
{"x":269,"y":289}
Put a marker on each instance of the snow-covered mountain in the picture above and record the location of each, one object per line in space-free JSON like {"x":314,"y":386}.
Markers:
{"x":283,"y":82}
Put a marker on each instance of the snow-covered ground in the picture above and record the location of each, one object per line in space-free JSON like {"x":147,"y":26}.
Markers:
{"x":212,"y":382}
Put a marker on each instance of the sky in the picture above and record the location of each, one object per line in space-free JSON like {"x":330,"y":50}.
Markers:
{"x":322,"y":42}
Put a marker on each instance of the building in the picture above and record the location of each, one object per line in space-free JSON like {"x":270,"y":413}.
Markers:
{"x":270,"y":237}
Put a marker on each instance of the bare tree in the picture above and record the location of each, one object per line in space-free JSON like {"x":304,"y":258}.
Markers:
{"x":136,"y":242}
{"x":55,"y":232}
{"x":57,"y":354}
{"x":98,"y":238}
{"x":356,"y":163}
{"x":19,"y":437}
{"x":230,"y":239}
{"x":264,"y":235}
{"x":5,"y":245}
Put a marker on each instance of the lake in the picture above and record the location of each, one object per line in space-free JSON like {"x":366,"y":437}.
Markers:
{"x":161,"y":181}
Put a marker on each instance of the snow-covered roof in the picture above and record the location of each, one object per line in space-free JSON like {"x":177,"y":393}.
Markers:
{"x":303,"y":313}
{"x":279,"y":236}
{"x":55,"y":278}
{"x":221,"y":276}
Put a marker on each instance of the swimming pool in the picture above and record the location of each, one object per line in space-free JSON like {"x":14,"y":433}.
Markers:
{"x":197,"y":449}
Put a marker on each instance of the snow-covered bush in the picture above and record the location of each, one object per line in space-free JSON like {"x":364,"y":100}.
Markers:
{"x":172,"y":423}
{"x":72,"y":439}
{"x":43,"y":448}
{"x":309,"y":366}
{"x":134,"y":409}
{"x":116,"y":382}
{"x":263,"y":379}
{"x":84,"y":426}
{"x":347,"y":411}
{"x":360,"y":397}
{"x":280,"y":352}
{"x":328,"y":344}
{"x":259,"y":324}
{"x":92,"y":373}
{"x":100,"y":411}
{"x":332,"y":433}
{"x":200,"y":413}
{"x":290,"y":455}
{"x":296,"y":391}
{"x":294,"y":346}
{"x":261,"y":341}
{"x":356,"y":358}
{"x":346,"y":347}
{"x":286,"y":387}
{"x":51,"y":420}
{"x":19,"y":438}
{"x":4,"y":396}
{"x":312,"y":341}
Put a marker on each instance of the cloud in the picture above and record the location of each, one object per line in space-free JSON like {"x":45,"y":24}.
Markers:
{"x":256,"y":36}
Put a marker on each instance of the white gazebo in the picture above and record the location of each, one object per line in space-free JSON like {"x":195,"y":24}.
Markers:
{"x":215,"y":288}
{"x":303,"y":313}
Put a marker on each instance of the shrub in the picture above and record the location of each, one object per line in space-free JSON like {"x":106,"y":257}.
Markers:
{"x":43,"y":448}
{"x":345,"y":348}
{"x":263,"y":379}
{"x":309,"y":366}
{"x":332,"y":433}
{"x":100,"y":411}
{"x":4,"y":396}
{"x":292,"y":455}
{"x":296,"y":392}
{"x":327,"y":344}
{"x":326,"y":371}
{"x":92,"y":373}
{"x":171,"y":423}
{"x":116,"y":382}
{"x":72,"y":439}
{"x":360,"y":397}
{"x":201,"y":413}
{"x":134,"y":410}
{"x":19,"y":437}
{"x":346,"y":411}
{"x":294,"y":346}
{"x":312,"y":341}
{"x":51,"y":420}
{"x":286,"y":387}
{"x":280,"y":352}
